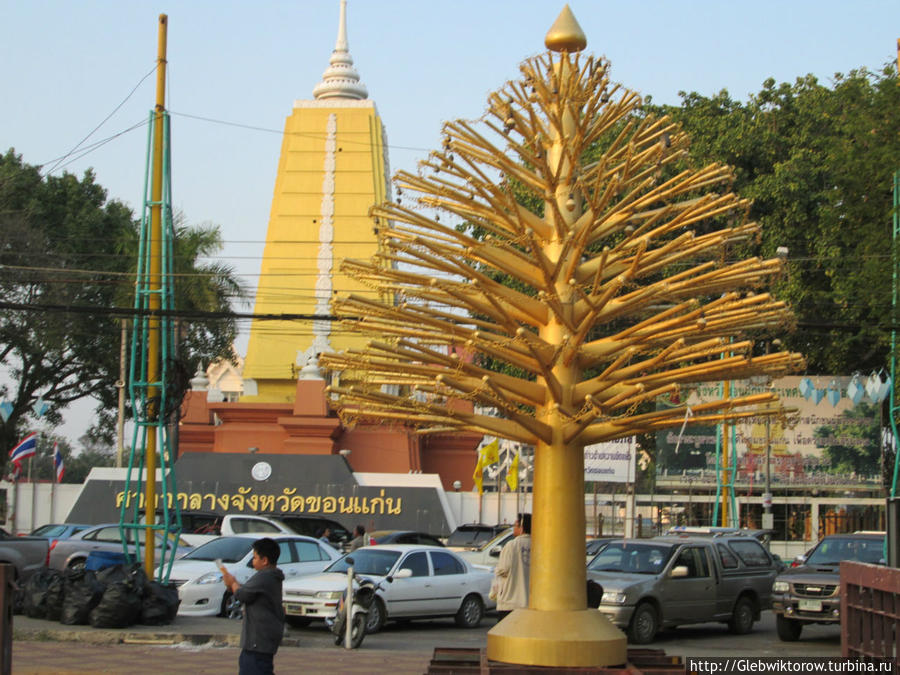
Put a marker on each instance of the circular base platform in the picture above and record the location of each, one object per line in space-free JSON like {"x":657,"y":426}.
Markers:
{"x":557,"y":638}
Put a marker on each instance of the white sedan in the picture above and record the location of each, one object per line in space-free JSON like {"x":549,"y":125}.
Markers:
{"x":199,"y":582}
{"x":438,"y":583}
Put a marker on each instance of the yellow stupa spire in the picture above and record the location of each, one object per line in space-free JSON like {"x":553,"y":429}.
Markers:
{"x":331,"y":171}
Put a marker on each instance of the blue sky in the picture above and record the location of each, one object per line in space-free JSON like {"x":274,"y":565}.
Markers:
{"x":67,"y":65}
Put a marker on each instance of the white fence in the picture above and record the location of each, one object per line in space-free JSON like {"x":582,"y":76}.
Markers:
{"x":30,"y":505}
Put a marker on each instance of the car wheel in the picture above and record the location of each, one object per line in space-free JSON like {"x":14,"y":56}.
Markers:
{"x":231,"y":607}
{"x":377,"y":616}
{"x":297,"y":621}
{"x":644,"y":624}
{"x":470,"y":613}
{"x":741,"y":621}
{"x":77,"y":564}
{"x":788,"y":629}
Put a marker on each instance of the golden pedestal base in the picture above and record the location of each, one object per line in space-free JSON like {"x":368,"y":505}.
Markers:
{"x":557,"y":638}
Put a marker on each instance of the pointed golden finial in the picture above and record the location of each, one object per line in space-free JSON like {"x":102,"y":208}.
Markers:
{"x":565,"y":35}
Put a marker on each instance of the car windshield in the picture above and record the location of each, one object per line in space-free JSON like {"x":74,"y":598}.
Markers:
{"x":470,"y":536}
{"x":49,"y":531}
{"x":631,"y":557}
{"x":833,"y":551}
{"x":496,"y":540}
{"x":227,"y":549}
{"x":366,"y":561}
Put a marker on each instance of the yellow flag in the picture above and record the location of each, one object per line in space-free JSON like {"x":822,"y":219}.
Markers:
{"x":478,"y":476}
{"x":512,"y":474}
{"x":491,"y":452}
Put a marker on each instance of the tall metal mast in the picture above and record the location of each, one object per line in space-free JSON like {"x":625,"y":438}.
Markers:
{"x":151,"y":352}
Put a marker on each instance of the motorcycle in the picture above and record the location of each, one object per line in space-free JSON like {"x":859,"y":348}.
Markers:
{"x":359,"y":604}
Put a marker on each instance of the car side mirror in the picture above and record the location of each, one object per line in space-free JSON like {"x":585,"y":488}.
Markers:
{"x":250,"y":563}
{"x":349,"y":560}
{"x":679,"y":572}
{"x":405,"y":573}
{"x":495,"y":552}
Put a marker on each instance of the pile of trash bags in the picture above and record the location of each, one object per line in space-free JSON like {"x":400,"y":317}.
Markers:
{"x":115,"y":597}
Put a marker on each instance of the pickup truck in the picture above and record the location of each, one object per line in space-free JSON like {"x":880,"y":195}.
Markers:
{"x":810,"y":592}
{"x":234,"y":524}
{"x":26,"y":554}
{"x":648,"y":584}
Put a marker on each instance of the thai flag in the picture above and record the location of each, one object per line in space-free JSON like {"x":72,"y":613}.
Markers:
{"x":16,"y":471}
{"x":27,"y":447}
{"x":58,"y":463}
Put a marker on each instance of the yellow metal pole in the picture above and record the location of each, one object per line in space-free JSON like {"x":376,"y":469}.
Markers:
{"x":557,"y":628}
{"x":155,"y":300}
{"x":725,"y":481}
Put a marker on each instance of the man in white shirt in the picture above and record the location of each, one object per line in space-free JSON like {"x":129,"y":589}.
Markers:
{"x":512,"y":571}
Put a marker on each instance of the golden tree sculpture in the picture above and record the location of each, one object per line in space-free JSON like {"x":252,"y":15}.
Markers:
{"x":557,"y":238}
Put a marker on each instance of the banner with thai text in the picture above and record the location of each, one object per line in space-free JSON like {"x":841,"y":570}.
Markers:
{"x":830,"y":436}
{"x":610,"y":462}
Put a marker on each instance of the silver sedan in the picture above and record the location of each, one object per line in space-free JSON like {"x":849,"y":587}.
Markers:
{"x":434,"y":582}
{"x":74,"y":551}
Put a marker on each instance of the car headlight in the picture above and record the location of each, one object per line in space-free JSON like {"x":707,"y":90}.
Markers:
{"x":329,"y":595}
{"x":210,"y":578}
{"x":613,"y":598}
{"x":781,"y":587}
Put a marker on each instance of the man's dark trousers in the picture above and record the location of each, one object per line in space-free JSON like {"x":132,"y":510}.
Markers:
{"x":256,"y":663}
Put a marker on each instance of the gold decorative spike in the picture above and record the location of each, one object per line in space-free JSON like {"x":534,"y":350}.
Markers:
{"x":565,"y":35}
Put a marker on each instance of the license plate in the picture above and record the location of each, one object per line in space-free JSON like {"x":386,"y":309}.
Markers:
{"x":809,"y":605}
{"x":291,"y":608}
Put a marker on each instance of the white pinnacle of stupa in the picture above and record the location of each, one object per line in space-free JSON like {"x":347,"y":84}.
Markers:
{"x":340,"y":79}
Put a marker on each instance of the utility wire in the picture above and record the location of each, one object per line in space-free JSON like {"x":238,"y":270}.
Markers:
{"x":58,"y":162}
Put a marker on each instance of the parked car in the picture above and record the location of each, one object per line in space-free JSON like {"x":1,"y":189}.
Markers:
{"x":199,"y":582}
{"x":764,"y":536}
{"x":25,"y":554}
{"x":207,"y":527}
{"x":489,"y":553}
{"x":593,"y":546}
{"x":58,"y":530}
{"x":435,"y":583}
{"x":74,"y":551}
{"x":314,"y":526}
{"x":472,"y":536}
{"x":810,"y":593}
{"x":379,"y":537}
{"x":648,"y":584}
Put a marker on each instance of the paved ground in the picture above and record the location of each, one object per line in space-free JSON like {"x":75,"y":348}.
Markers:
{"x":209,"y":645}
{"x":195,"y":645}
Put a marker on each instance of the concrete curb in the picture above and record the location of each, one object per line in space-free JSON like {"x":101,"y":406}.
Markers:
{"x":99,"y":636}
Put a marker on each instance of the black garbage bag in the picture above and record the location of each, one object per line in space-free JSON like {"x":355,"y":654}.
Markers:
{"x":18,"y":591}
{"x":119,"y":607}
{"x":131,"y":572}
{"x":160,"y":604}
{"x":36,"y":591}
{"x":82,"y":592}
{"x":56,"y":595}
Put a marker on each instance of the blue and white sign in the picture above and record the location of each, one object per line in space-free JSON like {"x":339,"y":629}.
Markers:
{"x":610,"y":462}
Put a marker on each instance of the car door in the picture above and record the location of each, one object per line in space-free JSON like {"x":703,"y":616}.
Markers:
{"x":311,"y":558}
{"x":691,"y":598}
{"x":414,"y":595}
{"x":104,"y":539}
{"x":287,"y":558}
{"x":449,"y":581}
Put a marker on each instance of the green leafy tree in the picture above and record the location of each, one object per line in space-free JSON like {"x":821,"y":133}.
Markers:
{"x":67,"y":262}
{"x":817,"y":162}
